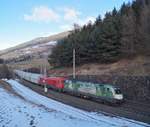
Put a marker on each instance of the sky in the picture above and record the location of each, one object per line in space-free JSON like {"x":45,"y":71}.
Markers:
{"x":24,"y":20}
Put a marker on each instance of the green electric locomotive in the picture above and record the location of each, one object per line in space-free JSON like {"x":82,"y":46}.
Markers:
{"x":105,"y":93}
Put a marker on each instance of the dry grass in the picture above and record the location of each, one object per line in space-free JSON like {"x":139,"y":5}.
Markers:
{"x":138,"y":66}
{"x":36,"y":63}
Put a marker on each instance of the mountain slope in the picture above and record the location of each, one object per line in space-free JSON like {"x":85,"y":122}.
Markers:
{"x":35,"y":46}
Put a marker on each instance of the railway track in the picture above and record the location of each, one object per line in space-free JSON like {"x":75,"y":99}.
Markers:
{"x":140,"y":110}
{"x":127,"y":110}
{"x":137,"y":103}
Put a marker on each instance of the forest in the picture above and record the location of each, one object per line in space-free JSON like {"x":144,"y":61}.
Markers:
{"x":120,"y":34}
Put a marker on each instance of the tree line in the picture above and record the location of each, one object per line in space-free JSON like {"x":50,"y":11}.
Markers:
{"x":4,"y":71}
{"x":121,"y":33}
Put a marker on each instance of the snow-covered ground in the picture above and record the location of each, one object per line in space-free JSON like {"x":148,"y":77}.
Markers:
{"x":34,"y":110}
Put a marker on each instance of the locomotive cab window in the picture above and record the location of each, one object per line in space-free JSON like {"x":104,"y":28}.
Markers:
{"x":108,"y":89}
{"x":117,"y":91}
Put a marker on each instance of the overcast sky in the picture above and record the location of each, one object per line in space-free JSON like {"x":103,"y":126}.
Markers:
{"x":23,"y":20}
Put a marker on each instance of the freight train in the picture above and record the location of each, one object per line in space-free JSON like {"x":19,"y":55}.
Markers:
{"x":105,"y":93}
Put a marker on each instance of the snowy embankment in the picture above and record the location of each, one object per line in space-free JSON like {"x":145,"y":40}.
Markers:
{"x":38,"y":111}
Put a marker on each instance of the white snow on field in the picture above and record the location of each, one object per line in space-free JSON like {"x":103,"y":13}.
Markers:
{"x":36,"y":110}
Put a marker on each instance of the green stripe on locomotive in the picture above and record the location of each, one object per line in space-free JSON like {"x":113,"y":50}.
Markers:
{"x":99,"y":90}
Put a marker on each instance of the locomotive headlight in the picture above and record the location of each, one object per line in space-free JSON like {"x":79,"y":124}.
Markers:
{"x":118,"y":96}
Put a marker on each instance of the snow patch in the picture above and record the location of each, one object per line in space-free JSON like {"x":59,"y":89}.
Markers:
{"x":14,"y":111}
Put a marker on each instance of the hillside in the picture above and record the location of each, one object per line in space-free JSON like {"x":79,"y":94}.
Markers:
{"x":35,"y":48}
{"x":122,"y":33}
{"x":137,"y":66}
